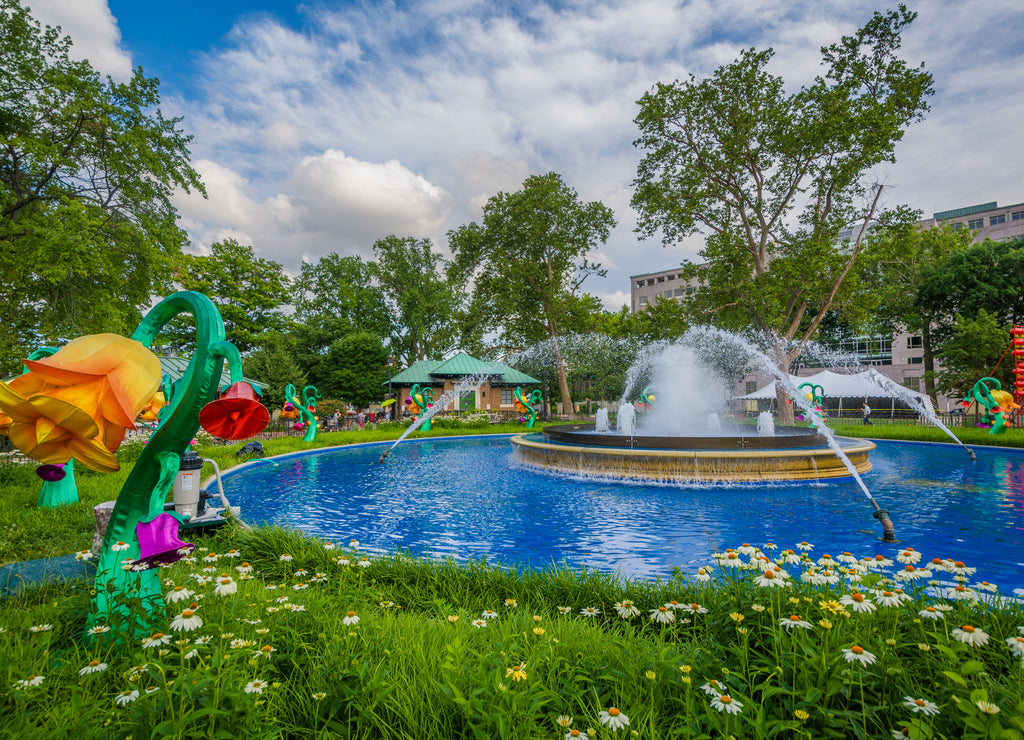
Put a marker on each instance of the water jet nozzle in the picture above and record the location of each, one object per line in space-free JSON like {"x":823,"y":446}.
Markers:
{"x":971,"y":453}
{"x":888,"y":532}
{"x":383,"y":457}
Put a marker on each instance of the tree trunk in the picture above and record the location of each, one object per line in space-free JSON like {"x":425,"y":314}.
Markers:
{"x":563,"y":381}
{"x":786,"y":415}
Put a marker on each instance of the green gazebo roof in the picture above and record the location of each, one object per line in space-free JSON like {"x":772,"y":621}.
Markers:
{"x":176,"y":366}
{"x":434,"y":372}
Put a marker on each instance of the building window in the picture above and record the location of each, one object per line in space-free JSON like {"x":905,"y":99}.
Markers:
{"x":651,"y":281}
{"x":661,"y":279}
{"x":1017,"y":216}
{"x":913,"y":383}
{"x":958,"y":225}
{"x":915,"y":342}
{"x":996,"y":220}
{"x":976,"y":223}
{"x":751,"y":386}
{"x":506,"y":396}
{"x":671,"y":277}
{"x":640,"y":284}
{"x":643,"y":300}
{"x":678,"y":291}
{"x":916,"y":361}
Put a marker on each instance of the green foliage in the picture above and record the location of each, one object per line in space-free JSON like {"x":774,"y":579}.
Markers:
{"x":971,"y":353}
{"x":336,"y":294}
{"x":423,"y":301}
{"x":987,"y":276}
{"x":527,"y":262}
{"x":354,"y":369}
{"x":87,"y":230}
{"x":250,"y":292}
{"x":275,"y":365}
{"x":772,"y":177}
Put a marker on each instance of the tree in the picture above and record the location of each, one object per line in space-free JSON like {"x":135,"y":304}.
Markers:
{"x":772,"y":178}
{"x":338,"y":291}
{"x":987,"y":276}
{"x":334,"y":297}
{"x":898,"y":258}
{"x":528,"y":260}
{"x":355,"y":369}
{"x":274,"y":365}
{"x":972,"y":352}
{"x":87,"y":230}
{"x":423,"y":302}
{"x":250,"y":292}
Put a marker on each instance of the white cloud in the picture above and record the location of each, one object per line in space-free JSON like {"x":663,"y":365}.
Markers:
{"x":330,"y":203}
{"x":439,"y":104}
{"x":93,"y":31}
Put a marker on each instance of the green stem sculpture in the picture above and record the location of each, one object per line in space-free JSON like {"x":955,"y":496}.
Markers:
{"x":128,"y":600}
{"x":310,"y":395}
{"x":422,"y":398}
{"x":528,"y":404}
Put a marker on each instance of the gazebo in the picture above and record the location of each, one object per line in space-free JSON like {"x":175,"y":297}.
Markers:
{"x":494,"y":394}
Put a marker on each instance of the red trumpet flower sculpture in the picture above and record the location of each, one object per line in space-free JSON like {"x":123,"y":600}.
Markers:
{"x":237,"y":414}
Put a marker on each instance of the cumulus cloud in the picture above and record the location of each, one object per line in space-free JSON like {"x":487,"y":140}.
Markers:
{"x":330,"y":203}
{"x":92,"y":28}
{"x":378,"y":118}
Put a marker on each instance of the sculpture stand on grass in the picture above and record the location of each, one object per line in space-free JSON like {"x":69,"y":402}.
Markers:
{"x":303,"y":409}
{"x":79,"y":402}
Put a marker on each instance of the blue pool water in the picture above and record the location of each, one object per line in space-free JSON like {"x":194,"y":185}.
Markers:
{"x":467,"y":497}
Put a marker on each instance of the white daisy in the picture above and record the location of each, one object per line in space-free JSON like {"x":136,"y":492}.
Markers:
{"x":970,"y":635}
{"x":487,"y":614}
{"x":350,"y":618}
{"x":178,"y":593}
{"x":225,"y":586}
{"x":255,"y":686}
{"x":98,"y":629}
{"x":119,"y":546}
{"x":94,"y":666}
{"x":794,"y":622}
{"x":930,"y":612}
{"x":1016,"y":645}
{"x":33,"y":680}
{"x":589,"y":611}
{"x":187,"y":621}
{"x":285,"y":558}
{"x":662,"y":614}
{"x":613,"y":719}
{"x":626,"y":609}
{"x":725,"y":703}
{"x":858,"y":602}
{"x":126,"y":697}
{"x":857,"y":654}
{"x":478,"y":623}
{"x":157,"y":639}
{"x":921,"y":706}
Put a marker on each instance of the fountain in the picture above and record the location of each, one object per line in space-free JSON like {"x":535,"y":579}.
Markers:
{"x":468,"y":383}
{"x":765,"y":424}
{"x":601,"y":423}
{"x":679,"y":442}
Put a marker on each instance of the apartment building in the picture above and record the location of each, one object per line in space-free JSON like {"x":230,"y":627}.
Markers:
{"x":987,"y":220}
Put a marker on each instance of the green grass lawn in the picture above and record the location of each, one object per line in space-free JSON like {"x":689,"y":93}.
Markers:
{"x":268,"y":633}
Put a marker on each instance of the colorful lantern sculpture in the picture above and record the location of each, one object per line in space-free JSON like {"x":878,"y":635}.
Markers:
{"x":527,"y":405}
{"x":159,"y":542}
{"x":303,"y":409}
{"x":419,"y":401}
{"x":237,"y":414}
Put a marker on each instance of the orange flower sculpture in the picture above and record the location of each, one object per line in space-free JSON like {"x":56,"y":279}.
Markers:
{"x":151,"y":411}
{"x":79,"y":402}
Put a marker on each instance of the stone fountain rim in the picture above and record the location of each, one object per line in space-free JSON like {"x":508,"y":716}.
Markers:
{"x":789,"y":438}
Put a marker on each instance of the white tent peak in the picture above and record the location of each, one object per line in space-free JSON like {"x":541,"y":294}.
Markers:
{"x":868,"y":383}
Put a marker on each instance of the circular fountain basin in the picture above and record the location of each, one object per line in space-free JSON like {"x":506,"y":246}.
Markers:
{"x":792,"y":455}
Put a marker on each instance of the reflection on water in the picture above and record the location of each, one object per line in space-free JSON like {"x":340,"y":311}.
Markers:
{"x":466,"y":498}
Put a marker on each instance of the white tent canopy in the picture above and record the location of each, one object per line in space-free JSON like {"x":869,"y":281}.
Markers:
{"x":867,"y":384}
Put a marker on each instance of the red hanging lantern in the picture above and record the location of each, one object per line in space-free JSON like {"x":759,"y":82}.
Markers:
{"x":237,"y":414}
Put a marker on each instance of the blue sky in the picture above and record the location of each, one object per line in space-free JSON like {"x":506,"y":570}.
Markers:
{"x":322,"y":126}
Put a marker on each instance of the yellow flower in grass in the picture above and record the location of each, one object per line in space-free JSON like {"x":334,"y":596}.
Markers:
{"x":538,"y":631}
{"x":736,"y":617}
{"x":517,"y":672}
{"x":801,"y":715}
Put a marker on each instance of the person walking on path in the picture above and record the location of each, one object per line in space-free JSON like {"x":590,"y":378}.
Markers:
{"x":867,"y":414}
{"x":362,"y":420}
